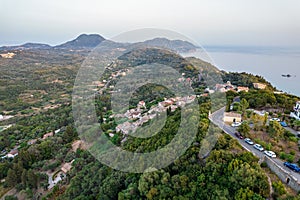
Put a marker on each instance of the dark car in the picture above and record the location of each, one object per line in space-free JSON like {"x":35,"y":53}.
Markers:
{"x":239,"y":135}
{"x":292,"y":166}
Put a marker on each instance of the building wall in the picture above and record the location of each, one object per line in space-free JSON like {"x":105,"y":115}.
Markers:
{"x":231,"y":119}
{"x":283,"y":174}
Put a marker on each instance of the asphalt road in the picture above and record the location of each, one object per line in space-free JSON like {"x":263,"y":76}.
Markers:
{"x":217,"y":119}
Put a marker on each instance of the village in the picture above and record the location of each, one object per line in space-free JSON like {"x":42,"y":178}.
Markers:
{"x":138,"y":119}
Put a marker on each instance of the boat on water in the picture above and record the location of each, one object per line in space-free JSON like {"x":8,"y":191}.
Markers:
{"x":286,"y":75}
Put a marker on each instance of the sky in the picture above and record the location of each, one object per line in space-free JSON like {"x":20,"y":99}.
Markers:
{"x":208,"y":22}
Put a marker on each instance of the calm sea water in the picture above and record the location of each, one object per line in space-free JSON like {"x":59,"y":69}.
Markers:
{"x":269,"y":62}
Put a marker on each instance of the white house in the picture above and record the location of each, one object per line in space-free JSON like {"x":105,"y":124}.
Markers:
{"x":230,"y":117}
{"x":296,"y":113}
{"x":13,"y":153}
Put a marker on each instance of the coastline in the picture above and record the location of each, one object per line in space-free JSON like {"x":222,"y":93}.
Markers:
{"x":269,"y":63}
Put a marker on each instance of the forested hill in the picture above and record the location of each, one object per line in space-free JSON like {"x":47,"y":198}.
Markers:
{"x":245,"y":79}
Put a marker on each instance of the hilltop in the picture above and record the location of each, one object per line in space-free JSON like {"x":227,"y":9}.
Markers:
{"x":83,"y":41}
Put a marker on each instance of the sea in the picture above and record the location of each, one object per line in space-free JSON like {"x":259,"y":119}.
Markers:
{"x":272,"y":63}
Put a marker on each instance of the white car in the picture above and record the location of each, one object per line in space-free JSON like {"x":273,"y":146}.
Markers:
{"x":258,"y":147}
{"x":275,"y":119}
{"x":248,"y":141}
{"x":270,"y":154}
{"x":236,"y":124}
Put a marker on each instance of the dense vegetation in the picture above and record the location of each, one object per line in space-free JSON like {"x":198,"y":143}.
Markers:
{"x":245,"y":79}
{"x":228,"y":173}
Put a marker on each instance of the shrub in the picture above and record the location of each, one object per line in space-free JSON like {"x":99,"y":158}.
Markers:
{"x":279,"y":188}
{"x":282,"y":155}
{"x":263,"y":165}
{"x":268,"y":146}
{"x":51,"y":166}
{"x":292,"y":152}
{"x":293,"y":139}
{"x":290,"y":158}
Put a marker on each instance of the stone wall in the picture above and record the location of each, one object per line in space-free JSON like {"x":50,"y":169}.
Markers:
{"x":284,"y":175}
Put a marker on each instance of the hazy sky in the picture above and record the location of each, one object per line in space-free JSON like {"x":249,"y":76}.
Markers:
{"x":209,"y":22}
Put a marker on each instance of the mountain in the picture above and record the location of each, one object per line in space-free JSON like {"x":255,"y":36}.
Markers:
{"x":175,"y":45}
{"x":85,"y":41}
{"x":26,"y":46}
{"x":82,"y":41}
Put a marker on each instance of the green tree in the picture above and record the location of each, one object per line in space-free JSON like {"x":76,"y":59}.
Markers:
{"x":11,"y":197}
{"x":296,"y":123}
{"x":265,"y":119}
{"x":244,"y":128}
{"x":69,"y":135}
{"x":279,"y":188}
{"x":244,"y":194}
{"x":244,"y":105}
{"x":32,"y":179}
{"x":275,"y":130}
{"x":12,"y":178}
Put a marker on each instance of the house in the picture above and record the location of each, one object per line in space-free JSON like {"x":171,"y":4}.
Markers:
{"x":13,"y":153}
{"x":66,"y":167}
{"x":165,"y":103}
{"x":98,"y":84}
{"x":31,"y":142}
{"x":142,"y":104}
{"x":260,"y":113}
{"x":225,"y":87}
{"x":133,"y":114}
{"x":231,"y":117}
{"x":124,"y":128}
{"x":260,"y":86}
{"x":56,"y":131}
{"x":240,"y":89}
{"x":5,"y":117}
{"x":50,"y":134}
{"x":78,"y":144}
{"x":211,"y":91}
{"x":296,"y":113}
{"x":7,"y":55}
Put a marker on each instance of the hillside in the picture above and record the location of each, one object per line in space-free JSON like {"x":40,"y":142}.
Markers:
{"x":175,"y":45}
{"x":27,"y":46}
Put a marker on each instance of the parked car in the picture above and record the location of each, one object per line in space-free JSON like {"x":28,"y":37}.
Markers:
{"x":239,"y":135}
{"x":292,"y":166}
{"x":270,"y":154}
{"x":258,"y":147}
{"x":248,"y":141}
{"x":236,"y":124}
{"x":283,"y":124}
{"x":275,"y":119}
